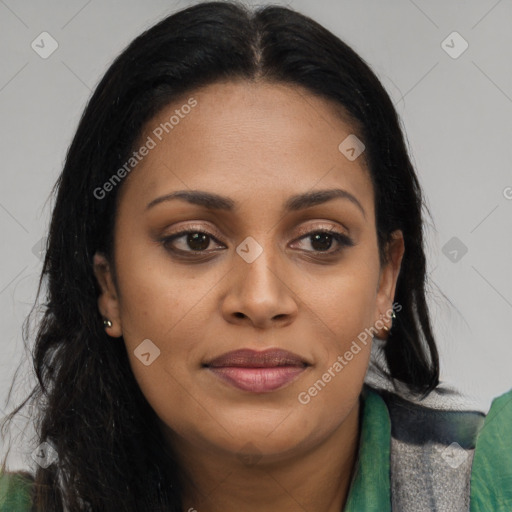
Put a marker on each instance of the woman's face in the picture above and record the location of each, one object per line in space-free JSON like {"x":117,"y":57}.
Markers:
{"x":262,"y":277}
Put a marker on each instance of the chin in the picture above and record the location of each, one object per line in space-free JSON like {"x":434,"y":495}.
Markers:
{"x":265,"y":439}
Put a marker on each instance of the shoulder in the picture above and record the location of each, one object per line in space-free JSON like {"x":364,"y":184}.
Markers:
{"x":491,"y":479}
{"x":432,"y":442}
{"x":15,"y":491}
{"x":443,"y":417}
{"x":444,"y":449}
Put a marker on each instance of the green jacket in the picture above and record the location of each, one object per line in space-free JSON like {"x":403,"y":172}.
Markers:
{"x":380,"y":459}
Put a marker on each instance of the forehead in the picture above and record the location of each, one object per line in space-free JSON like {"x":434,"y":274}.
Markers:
{"x":244,"y":139}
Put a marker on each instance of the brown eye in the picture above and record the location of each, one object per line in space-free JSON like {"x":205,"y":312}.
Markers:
{"x":322,"y":241}
{"x":193,"y":241}
{"x":198,"y":241}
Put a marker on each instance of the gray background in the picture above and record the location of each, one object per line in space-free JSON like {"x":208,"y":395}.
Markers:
{"x":456,"y":112}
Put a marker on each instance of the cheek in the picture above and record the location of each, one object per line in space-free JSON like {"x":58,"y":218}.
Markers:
{"x":333,"y":388}
{"x":343,"y":302}
{"x":156,"y":295}
{"x":343,"y":310}
{"x":166,"y":305}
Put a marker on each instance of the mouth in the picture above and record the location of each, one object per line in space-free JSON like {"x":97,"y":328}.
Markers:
{"x":258,"y":371}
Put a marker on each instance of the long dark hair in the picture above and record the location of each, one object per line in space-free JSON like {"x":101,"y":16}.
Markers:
{"x":111,"y":455}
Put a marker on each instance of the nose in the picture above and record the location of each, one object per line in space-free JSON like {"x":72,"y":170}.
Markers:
{"x":260,"y":294}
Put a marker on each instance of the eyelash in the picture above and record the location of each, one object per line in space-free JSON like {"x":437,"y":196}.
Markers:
{"x":342,"y":240}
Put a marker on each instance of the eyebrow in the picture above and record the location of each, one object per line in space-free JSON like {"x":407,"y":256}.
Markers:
{"x":294,"y":203}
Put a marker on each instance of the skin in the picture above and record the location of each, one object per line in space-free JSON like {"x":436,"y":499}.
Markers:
{"x":258,"y":144}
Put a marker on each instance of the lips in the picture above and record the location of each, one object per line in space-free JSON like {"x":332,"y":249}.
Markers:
{"x":258,"y":371}
{"x":248,"y":358}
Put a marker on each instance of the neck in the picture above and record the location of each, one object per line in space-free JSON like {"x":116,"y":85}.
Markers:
{"x":317,"y":479}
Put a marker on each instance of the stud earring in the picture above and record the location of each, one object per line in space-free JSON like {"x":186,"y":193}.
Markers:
{"x":386,"y":328}
{"x":392,"y":316}
{"x":107,"y":323}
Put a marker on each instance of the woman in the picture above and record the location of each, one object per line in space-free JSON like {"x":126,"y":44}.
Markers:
{"x":236,"y":314}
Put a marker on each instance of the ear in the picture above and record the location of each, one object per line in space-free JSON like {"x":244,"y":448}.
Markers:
{"x":108,"y":303}
{"x":387,"y":283}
